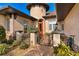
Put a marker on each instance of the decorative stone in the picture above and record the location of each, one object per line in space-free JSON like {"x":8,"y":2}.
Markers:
{"x":56,"y":39}
{"x":33,"y":39}
{"x":51,"y":39}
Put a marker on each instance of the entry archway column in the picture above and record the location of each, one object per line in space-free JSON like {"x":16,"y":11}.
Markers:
{"x":11,"y":24}
{"x":41,"y":27}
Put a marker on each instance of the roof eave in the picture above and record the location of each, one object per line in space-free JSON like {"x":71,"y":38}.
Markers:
{"x":18,"y":12}
{"x":47,"y":17}
{"x":63,"y":10}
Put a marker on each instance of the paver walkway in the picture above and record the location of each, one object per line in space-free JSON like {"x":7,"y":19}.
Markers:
{"x":38,"y":50}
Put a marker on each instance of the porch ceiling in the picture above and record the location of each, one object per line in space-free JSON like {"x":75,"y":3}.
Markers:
{"x":63,"y":9}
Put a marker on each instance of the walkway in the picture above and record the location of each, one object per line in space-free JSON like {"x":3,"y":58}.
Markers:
{"x":38,"y":50}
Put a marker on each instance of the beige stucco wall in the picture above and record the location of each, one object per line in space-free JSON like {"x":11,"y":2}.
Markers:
{"x":50,"y":21}
{"x":71,"y":23}
{"x":37,"y":11}
{"x":19,"y":23}
{"x":2,"y":20}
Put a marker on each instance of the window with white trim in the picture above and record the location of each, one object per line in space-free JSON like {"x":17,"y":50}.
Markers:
{"x":50,"y":26}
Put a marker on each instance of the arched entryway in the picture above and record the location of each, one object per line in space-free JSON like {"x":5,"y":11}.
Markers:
{"x":41,"y":27}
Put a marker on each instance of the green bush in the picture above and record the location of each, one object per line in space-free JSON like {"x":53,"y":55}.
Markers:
{"x":16,"y":43}
{"x":32,"y":29}
{"x":76,"y":54}
{"x":3,"y":48}
{"x":4,"y":41}
{"x":63,"y":50}
{"x":23,"y":45}
{"x":10,"y":41}
{"x":2,"y":33}
{"x":47,"y":34}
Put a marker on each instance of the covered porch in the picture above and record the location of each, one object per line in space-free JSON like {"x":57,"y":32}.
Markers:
{"x":14,"y":20}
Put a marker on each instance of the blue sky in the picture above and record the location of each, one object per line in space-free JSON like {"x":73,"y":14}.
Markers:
{"x":22,"y":6}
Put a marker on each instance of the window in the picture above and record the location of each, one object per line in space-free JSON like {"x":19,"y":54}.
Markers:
{"x":50,"y":26}
{"x":25,"y":28}
{"x":55,"y":27}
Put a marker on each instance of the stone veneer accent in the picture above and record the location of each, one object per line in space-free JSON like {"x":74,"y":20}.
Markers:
{"x":33,"y":39}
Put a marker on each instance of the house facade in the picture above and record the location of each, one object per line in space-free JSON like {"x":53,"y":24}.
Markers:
{"x":14,"y":20}
{"x":68,"y":19}
{"x":45,"y":21}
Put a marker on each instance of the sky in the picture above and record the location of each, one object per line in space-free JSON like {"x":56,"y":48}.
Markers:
{"x":22,"y":7}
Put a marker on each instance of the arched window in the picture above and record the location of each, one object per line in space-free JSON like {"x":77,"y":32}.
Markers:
{"x":40,"y":24}
{"x":40,"y":20}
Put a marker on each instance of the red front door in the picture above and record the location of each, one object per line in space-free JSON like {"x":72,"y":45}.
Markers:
{"x":40,"y":27}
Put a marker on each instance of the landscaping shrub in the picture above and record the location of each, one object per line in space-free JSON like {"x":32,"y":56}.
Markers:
{"x":47,"y":34}
{"x":16,"y":43}
{"x":63,"y":50}
{"x":3,"y":48}
{"x":4,"y":41}
{"x":2,"y":33}
{"x":23,"y":45}
{"x":32,"y":29}
{"x":76,"y":54}
{"x":10,"y":41}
